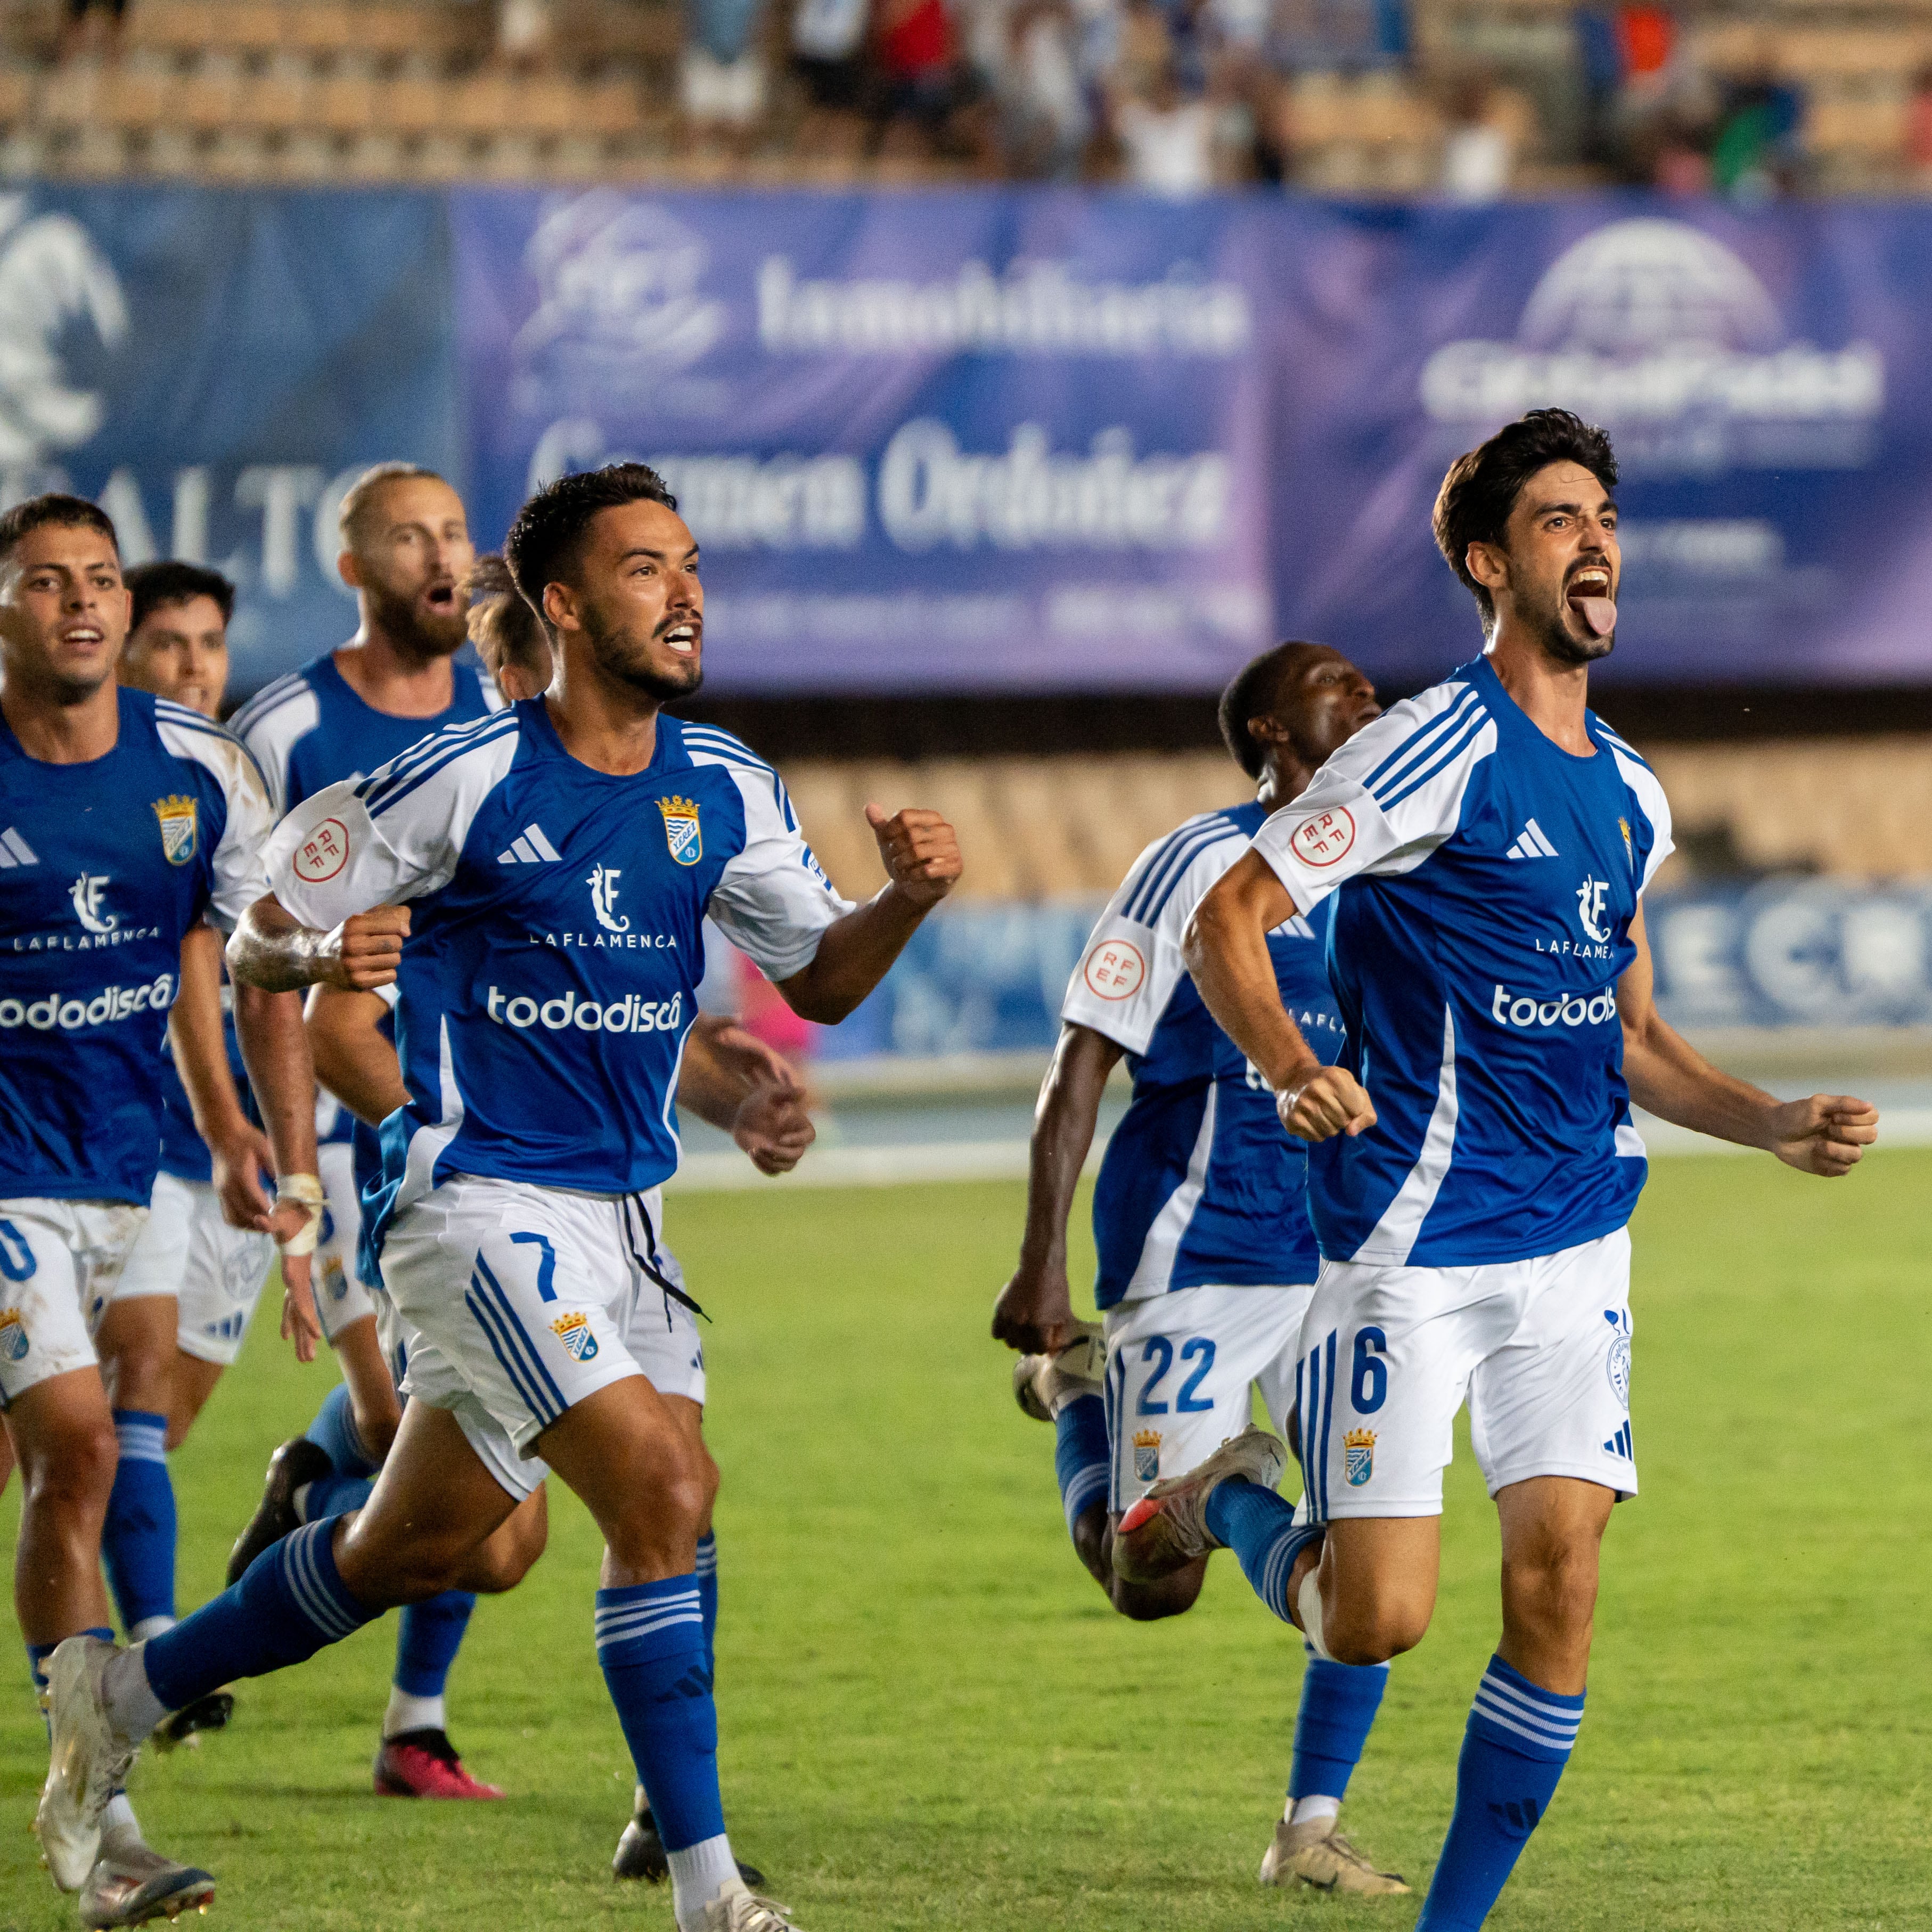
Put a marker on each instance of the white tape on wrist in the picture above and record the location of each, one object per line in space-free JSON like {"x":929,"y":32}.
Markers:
{"x":305,"y":1191}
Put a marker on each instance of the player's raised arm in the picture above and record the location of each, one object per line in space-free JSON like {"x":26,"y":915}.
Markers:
{"x":921,"y":853}
{"x":1226,"y":950}
{"x":1034,"y":1312}
{"x":1824,"y":1133}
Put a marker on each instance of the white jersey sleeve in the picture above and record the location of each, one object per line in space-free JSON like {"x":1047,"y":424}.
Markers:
{"x":1647,"y":788}
{"x":772,"y":900}
{"x":237,"y":876}
{"x":1386,"y":799}
{"x":271,"y":723}
{"x":1133,"y":962}
{"x":394,"y":835}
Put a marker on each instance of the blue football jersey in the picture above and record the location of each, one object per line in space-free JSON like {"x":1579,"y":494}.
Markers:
{"x":104,"y":867}
{"x":311,"y":728}
{"x":1484,"y":883}
{"x":1200,"y":1184}
{"x":555,"y":947}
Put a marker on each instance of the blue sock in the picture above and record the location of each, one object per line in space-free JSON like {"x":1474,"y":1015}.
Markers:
{"x":707,"y":1595}
{"x":1259,"y":1527}
{"x":1518,"y":1741}
{"x":650,"y":1642}
{"x":334,"y":1429}
{"x":1338,"y":1703}
{"x":334,"y":1495}
{"x":290,"y":1603}
{"x":1082,"y":1459}
{"x":137,"y":1541}
{"x":427,"y":1639}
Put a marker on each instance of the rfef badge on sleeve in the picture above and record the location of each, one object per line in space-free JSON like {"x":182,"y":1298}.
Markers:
{"x":681,"y":829}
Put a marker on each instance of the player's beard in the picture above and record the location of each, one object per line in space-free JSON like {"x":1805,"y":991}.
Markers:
{"x":412,"y":633}
{"x":618,"y":654}
{"x":1546,"y":620}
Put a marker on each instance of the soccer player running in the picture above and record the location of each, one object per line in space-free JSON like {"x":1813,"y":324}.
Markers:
{"x":405,"y":549}
{"x":1473,"y":1160}
{"x":1207,"y":1260}
{"x":126,"y":822}
{"x":544,"y":1004}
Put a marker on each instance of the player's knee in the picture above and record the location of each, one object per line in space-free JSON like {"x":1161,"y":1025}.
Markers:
{"x":509,"y":1555}
{"x":1148,"y":1603}
{"x":1553,"y":1590}
{"x":71,"y":1472}
{"x":1373,"y":1632}
{"x":377,"y":1424}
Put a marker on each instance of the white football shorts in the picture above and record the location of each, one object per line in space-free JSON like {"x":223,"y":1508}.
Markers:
{"x":1180,"y":1369}
{"x":341,"y":1295}
{"x":188,"y":1249}
{"x":1539,"y":1349}
{"x":59,"y":1263}
{"x":514,"y":1303}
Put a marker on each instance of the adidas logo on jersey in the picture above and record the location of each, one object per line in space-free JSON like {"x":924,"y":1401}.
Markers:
{"x":1532,"y":843}
{"x":14,"y":850}
{"x":529,"y":848}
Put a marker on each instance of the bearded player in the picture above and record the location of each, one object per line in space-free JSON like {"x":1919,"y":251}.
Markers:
{"x":405,"y":550}
{"x":519,"y":1222}
{"x":1473,"y":1161}
{"x":1206,"y":1259}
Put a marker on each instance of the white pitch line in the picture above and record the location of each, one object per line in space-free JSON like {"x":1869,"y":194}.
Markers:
{"x":1007,"y":1160}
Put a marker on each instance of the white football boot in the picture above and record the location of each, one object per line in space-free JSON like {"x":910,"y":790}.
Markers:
{"x":131,"y":1883}
{"x":1314,"y":1853}
{"x":743,"y":1911}
{"x":1167,"y":1529}
{"x":90,"y":1761}
{"x":1041,"y":1383}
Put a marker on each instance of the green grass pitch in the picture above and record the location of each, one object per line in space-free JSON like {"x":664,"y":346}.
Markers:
{"x":931,"y":1719}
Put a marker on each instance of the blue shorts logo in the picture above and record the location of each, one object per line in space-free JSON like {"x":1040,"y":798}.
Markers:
{"x":574,"y":1332}
{"x":1358,"y":1457}
{"x":1147,"y":1455}
{"x":13,"y":1336}
{"x":681,"y":829}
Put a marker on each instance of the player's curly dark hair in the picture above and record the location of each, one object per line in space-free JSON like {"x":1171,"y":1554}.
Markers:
{"x":172,"y":581}
{"x":1254,"y":689}
{"x":543,"y":544}
{"x":64,"y":512}
{"x":512,"y":633}
{"x":1482,"y":486}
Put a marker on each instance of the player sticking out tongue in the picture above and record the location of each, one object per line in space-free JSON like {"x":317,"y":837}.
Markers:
{"x":1588,"y":595}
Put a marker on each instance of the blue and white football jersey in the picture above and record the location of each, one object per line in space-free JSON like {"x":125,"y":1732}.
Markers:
{"x":1487,"y":882}
{"x":104,"y":867}
{"x":555,"y":947}
{"x":1200,"y":1184}
{"x":312,"y":728}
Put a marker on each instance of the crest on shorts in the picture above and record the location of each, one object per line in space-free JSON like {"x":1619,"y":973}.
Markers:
{"x":1147,"y":1455}
{"x":1358,"y":1457}
{"x":681,"y":829}
{"x":574,"y":1332}
{"x":13,"y":1335}
{"x":177,"y":818}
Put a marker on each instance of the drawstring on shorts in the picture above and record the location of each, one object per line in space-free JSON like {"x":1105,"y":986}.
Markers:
{"x":649,"y":1266}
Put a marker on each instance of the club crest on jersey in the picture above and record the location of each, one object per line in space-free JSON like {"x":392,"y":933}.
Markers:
{"x":1629,"y":848}
{"x":574,"y":1332}
{"x":13,"y":1336}
{"x":177,"y":818}
{"x":1358,"y":1457}
{"x":682,"y":832}
{"x":1147,"y":1455}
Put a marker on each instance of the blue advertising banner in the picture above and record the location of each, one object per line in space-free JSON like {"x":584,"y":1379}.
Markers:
{"x":986,"y":438}
{"x":955,"y":440}
{"x":1788,"y":953}
{"x":215,"y":367}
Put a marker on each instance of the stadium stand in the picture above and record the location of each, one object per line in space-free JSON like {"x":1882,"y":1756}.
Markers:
{"x":1052,"y":828}
{"x":1475,"y":98}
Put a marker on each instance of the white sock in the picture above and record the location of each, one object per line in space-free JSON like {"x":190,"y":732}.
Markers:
{"x":1308,"y":1607}
{"x":118,"y":1816}
{"x":1301,"y":1809}
{"x":412,"y":1714}
{"x":699,"y":1873}
{"x":298,"y":1501}
{"x":133,"y":1708}
{"x":149,"y":1626}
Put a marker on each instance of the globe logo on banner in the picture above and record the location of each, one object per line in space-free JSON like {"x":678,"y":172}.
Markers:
{"x":1668,"y":338}
{"x":51,"y":278}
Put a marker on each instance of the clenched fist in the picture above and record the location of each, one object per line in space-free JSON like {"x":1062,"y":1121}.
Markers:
{"x":920,"y":850}
{"x":364,"y":952}
{"x":1328,"y":1101}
